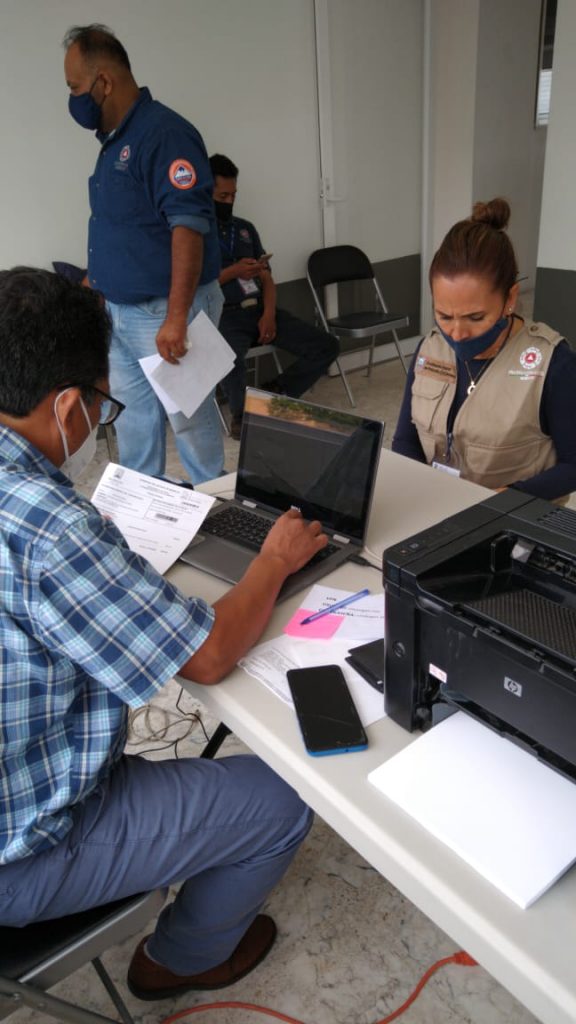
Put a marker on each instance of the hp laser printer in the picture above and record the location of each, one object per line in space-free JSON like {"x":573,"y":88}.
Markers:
{"x":481,"y":617}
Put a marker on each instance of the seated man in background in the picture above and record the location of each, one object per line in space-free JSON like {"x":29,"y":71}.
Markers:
{"x":250,"y":316}
{"x":89,"y":630}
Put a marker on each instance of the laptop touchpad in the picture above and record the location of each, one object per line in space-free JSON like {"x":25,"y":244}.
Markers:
{"x":218,"y":557}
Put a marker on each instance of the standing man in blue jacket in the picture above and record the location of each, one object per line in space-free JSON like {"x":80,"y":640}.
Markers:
{"x":152,"y":245}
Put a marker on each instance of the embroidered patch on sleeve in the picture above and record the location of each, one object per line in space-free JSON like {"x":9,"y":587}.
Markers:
{"x":182,"y":174}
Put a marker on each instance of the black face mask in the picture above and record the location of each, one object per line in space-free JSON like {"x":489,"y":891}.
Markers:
{"x":223,"y":211}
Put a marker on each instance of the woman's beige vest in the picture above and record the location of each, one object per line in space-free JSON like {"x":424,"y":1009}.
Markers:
{"x":497,"y":438}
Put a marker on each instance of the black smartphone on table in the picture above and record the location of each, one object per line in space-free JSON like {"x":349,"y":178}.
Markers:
{"x":327,"y":715}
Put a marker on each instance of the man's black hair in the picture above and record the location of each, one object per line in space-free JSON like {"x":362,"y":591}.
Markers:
{"x":223,"y":166}
{"x":96,"y":41}
{"x":52,"y":333}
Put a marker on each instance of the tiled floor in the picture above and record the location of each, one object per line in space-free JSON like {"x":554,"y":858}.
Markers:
{"x":350,"y":947}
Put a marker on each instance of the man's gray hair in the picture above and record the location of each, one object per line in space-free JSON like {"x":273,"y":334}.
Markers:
{"x":96,"y":41}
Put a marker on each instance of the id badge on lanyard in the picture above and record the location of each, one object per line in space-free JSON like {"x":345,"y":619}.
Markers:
{"x":446,"y":469}
{"x":248,"y":285}
{"x":443,"y":466}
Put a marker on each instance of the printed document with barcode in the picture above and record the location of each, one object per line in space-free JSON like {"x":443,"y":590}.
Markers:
{"x":157,"y":519}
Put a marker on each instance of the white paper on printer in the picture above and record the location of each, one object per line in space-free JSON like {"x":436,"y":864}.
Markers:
{"x":157,"y":519}
{"x":510,"y":816}
{"x":184,"y":386}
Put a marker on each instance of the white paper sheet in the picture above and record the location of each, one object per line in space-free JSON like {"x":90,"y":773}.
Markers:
{"x":157,"y":519}
{"x":269,"y":662}
{"x":183,"y":387}
{"x":508,"y":815}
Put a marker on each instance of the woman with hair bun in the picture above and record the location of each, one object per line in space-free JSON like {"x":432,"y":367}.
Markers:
{"x":489,"y":396}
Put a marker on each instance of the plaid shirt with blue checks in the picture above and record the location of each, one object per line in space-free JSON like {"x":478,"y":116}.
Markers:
{"x":87,"y":629}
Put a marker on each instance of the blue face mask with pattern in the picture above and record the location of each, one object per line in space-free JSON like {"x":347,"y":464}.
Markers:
{"x":469,"y":348}
{"x":84,"y":109}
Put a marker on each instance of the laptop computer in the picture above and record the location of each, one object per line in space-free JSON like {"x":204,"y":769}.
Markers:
{"x":293,"y":454}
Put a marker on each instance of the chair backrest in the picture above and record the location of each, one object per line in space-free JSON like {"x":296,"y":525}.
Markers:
{"x":338,"y":263}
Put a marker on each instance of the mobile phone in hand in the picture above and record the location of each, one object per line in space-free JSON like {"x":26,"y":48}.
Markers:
{"x":327,"y":716}
{"x":265,"y":257}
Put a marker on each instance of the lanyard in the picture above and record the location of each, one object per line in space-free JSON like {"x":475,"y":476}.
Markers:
{"x":229,"y":246}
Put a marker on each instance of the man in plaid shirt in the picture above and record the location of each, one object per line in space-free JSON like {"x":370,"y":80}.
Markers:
{"x":88,"y":630}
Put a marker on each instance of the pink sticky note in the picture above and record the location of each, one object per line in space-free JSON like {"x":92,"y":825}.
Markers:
{"x":321,"y":629}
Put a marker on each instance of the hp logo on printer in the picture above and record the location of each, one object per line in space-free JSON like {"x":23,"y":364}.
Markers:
{"x":512,"y":686}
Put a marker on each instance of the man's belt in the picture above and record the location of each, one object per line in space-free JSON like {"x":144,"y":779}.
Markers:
{"x":245,"y":304}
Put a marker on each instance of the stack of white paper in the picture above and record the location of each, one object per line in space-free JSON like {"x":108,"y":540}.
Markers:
{"x":508,"y":815}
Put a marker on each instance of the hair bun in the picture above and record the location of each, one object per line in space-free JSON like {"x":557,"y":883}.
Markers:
{"x":495,"y":213}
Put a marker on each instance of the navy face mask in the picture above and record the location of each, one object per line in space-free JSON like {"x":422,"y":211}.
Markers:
{"x":223,"y":211}
{"x":472,"y":347}
{"x":84,"y":109}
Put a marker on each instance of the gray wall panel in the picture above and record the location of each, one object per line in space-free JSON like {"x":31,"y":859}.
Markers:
{"x":555,"y":300}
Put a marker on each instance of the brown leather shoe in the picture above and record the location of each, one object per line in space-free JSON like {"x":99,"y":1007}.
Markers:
{"x":148,"y":980}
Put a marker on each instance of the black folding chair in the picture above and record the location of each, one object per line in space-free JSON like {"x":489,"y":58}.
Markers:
{"x":342,"y":263}
{"x":36,"y":957}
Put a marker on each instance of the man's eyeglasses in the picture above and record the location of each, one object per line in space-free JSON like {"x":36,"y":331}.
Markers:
{"x":110,"y":408}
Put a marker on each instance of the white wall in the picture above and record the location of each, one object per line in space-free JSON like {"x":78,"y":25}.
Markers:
{"x":376,"y":65}
{"x":557,"y":245}
{"x":244,"y":73}
{"x":451,"y":45}
{"x":508,"y":149}
{"x":481,"y":59}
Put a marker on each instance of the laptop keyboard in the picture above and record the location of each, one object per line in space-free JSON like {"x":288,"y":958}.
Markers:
{"x":250,"y":530}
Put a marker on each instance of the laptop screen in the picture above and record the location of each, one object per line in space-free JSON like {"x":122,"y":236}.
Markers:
{"x":322,"y":461}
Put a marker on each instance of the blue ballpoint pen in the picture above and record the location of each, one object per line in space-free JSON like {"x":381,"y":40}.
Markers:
{"x":334,"y":607}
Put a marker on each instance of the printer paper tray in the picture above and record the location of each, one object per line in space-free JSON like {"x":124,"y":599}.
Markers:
{"x":531,"y":617}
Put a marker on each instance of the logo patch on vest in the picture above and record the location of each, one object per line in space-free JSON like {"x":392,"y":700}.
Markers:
{"x":437,"y":368}
{"x":124,"y":154}
{"x":245,"y":234}
{"x":182,"y":174}
{"x":530,"y":358}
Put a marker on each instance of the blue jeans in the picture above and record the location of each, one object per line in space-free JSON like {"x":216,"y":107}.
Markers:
{"x":228,"y":829}
{"x":141,"y":429}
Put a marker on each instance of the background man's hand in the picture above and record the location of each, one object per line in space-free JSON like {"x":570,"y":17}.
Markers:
{"x":266,"y":329}
{"x":248,"y":268}
{"x":171,"y":339}
{"x":294,"y":540}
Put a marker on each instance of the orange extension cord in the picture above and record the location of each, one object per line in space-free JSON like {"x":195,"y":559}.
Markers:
{"x":461,"y":958}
